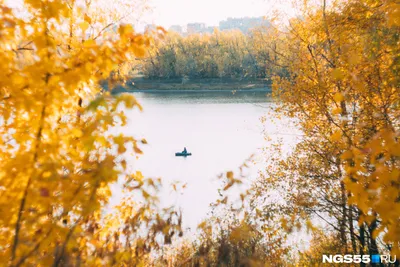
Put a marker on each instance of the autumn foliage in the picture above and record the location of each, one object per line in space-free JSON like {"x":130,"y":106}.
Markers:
{"x":57,"y":156}
{"x":344,"y":92}
{"x":221,"y":54}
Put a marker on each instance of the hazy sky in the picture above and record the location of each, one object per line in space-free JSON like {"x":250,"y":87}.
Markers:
{"x":181,"y":12}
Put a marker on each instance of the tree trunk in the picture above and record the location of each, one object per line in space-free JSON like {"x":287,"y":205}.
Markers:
{"x":351,"y":226}
{"x":362,"y":242}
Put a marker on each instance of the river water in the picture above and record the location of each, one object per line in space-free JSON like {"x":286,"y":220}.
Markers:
{"x":220,"y":129}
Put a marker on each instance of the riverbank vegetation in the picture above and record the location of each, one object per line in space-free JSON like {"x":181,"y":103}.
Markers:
{"x":335,"y":71}
{"x":222,"y":60}
{"x":222,"y":54}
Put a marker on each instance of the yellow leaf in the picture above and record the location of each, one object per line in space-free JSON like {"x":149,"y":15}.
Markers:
{"x":337,"y":111}
{"x":337,"y":74}
{"x":46,"y":174}
{"x":338,"y":97}
{"x":139,"y":51}
{"x":347,"y":155}
{"x":125,"y":29}
{"x":336,"y":136}
{"x":84,"y":26}
{"x":89,"y":43}
{"x":76,"y":132}
{"x":87,"y":19}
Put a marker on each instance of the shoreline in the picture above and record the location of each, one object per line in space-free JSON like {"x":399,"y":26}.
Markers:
{"x":173,"y":90}
{"x":195,"y":85}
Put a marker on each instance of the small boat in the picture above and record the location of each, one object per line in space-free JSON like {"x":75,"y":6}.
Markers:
{"x":181,"y":154}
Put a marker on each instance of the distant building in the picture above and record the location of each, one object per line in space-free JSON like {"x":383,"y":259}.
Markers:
{"x":210,"y":29}
{"x":176,"y":28}
{"x":195,"y":27}
{"x":242,"y":24}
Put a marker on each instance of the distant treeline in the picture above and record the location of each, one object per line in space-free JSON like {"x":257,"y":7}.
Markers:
{"x":222,"y":54}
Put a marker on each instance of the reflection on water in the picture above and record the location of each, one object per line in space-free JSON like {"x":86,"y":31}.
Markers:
{"x":205,"y":97}
{"x":220,"y":129}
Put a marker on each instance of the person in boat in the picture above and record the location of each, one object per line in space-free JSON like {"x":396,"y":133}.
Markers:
{"x":184,"y":150}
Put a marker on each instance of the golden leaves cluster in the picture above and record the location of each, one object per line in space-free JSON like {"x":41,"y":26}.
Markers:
{"x":344,"y":92}
{"x":57,"y":153}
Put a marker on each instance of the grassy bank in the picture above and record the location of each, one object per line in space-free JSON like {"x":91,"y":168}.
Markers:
{"x":226,"y":84}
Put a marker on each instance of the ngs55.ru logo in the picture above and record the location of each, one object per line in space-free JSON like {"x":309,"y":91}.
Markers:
{"x":348,"y":258}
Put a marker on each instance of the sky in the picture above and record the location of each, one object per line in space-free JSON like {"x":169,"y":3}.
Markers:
{"x":180,"y":12}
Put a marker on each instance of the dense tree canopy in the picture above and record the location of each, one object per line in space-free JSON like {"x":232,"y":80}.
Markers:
{"x":222,"y":54}
{"x":57,"y":158}
{"x":344,"y":92}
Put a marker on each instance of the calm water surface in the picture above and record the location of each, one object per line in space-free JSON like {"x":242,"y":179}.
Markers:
{"x":220,"y":129}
